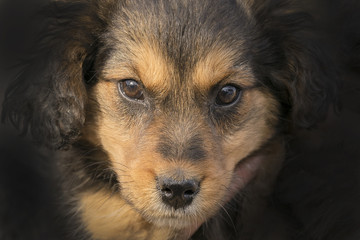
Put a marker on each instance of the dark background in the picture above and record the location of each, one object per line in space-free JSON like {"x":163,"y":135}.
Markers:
{"x":29,"y":192}
{"x":318,"y":189}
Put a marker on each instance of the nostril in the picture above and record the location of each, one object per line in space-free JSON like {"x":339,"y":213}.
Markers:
{"x":167,"y":192}
{"x":189,"y":193}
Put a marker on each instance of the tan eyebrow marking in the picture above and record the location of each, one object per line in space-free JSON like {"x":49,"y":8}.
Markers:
{"x":218,"y":65}
{"x":147,"y":64}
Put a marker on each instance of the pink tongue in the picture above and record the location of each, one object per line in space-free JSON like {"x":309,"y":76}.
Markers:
{"x":243,"y":174}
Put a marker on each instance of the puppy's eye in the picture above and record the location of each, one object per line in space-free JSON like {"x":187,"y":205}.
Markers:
{"x":227,"y":95}
{"x":130,"y":88}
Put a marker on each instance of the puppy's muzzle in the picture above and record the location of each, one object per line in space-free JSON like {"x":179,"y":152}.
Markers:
{"x":177,"y":194}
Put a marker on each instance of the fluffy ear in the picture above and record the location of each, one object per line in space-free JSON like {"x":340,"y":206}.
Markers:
{"x":49,"y":96}
{"x":293,"y":61}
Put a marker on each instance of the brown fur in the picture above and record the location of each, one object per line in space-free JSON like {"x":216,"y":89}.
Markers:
{"x":181,"y":53}
{"x":132,"y":143}
{"x":108,"y":217}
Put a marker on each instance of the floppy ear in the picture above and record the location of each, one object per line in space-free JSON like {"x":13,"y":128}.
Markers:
{"x":49,"y":96}
{"x":294,"y":61}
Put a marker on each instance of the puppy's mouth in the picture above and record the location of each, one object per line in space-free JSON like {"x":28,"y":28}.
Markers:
{"x":185,"y":212}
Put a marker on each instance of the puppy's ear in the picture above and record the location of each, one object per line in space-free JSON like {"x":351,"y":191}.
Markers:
{"x":49,"y":96}
{"x":294,"y":61}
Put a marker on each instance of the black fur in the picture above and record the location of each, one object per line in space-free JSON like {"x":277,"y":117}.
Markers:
{"x":49,"y":100}
{"x":51,"y":84}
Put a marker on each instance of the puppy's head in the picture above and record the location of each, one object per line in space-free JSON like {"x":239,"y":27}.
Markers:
{"x":177,"y":106}
{"x":182,"y":96}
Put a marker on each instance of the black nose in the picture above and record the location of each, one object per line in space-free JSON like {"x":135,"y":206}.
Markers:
{"x":178,"y":194}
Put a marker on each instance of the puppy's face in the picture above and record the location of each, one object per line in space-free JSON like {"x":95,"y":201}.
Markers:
{"x":179,"y":112}
{"x":177,"y":94}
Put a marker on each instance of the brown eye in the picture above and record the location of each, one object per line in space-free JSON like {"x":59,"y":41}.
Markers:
{"x":227,"y":95}
{"x":130,"y":88}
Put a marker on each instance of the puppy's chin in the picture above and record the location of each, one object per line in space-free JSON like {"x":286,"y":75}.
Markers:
{"x":183,"y":227}
{"x":183,"y":218}
{"x":177,"y":223}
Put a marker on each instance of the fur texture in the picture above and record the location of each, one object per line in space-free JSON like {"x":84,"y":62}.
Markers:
{"x":116,"y":152}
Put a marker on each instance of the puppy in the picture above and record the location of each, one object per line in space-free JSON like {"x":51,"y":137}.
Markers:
{"x":169,"y":119}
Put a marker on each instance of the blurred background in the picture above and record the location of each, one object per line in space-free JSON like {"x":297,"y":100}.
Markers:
{"x":318,"y":189}
{"x":29,"y":192}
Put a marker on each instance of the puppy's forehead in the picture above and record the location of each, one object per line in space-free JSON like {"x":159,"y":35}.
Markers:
{"x":171,"y":42}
